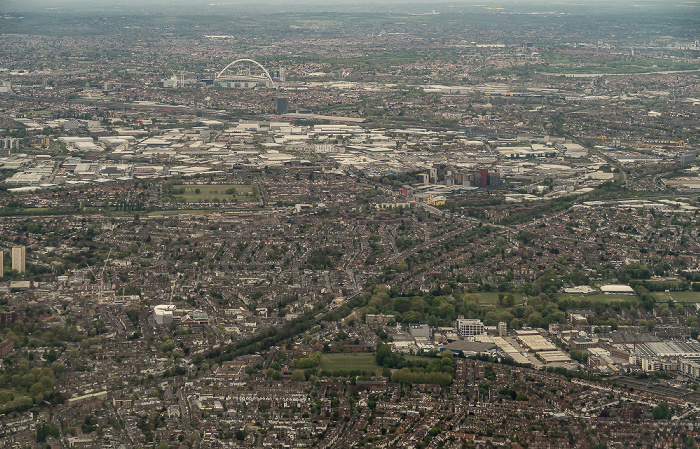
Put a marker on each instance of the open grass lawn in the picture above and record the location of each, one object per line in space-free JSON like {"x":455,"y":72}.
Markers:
{"x":202,"y":211}
{"x":691,"y":297}
{"x":489,"y":298}
{"x":35,"y":210}
{"x":602,"y":298}
{"x":25,"y":211}
{"x":207,"y":193}
{"x":350,"y":361}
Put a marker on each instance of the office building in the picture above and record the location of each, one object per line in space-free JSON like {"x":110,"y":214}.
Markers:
{"x":433,"y":175}
{"x":163,"y":313}
{"x":18,"y":259}
{"x":469,"y":328}
{"x":6,"y":347}
{"x":483,"y":177}
{"x":281,"y":106}
{"x":8,"y":318}
{"x":687,"y":157}
{"x":419,"y":330}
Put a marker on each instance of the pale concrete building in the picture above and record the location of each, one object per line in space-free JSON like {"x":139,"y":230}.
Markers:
{"x":18,"y":259}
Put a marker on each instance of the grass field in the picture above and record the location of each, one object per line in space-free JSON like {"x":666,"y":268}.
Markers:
{"x":208,"y":193}
{"x":602,"y":298}
{"x":25,"y":211}
{"x":351,"y":361}
{"x":203,"y":211}
{"x":489,"y":298}
{"x":690,"y":297}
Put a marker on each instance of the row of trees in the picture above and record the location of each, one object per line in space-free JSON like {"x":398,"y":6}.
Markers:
{"x":416,"y":371}
{"x":308,"y":362}
{"x":407,"y":376}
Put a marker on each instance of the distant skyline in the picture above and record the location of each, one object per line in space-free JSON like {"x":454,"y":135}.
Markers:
{"x":204,"y":6}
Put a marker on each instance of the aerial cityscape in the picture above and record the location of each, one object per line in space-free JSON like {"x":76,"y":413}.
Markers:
{"x":311,"y":225}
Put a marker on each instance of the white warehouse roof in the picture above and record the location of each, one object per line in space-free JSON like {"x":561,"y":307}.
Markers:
{"x":617,"y":288}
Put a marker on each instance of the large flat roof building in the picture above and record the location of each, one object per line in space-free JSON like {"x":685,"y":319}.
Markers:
{"x":617,"y":288}
{"x":242,"y":81}
{"x":163,"y":313}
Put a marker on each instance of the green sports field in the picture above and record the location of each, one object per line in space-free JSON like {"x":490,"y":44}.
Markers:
{"x":489,"y":298}
{"x":207,"y":193}
{"x":602,"y":298}
{"x":689,"y":297}
{"x":350,"y":361}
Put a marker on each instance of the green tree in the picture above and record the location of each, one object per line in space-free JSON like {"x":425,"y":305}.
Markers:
{"x":45,"y":430}
{"x":661,"y":411}
{"x":580,"y":356}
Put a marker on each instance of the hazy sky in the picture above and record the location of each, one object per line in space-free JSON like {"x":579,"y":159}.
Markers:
{"x":175,"y":6}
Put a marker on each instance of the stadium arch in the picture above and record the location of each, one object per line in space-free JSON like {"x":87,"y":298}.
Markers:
{"x":231,"y":64}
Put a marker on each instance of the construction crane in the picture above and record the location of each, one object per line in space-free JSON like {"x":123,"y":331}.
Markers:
{"x":172,"y":289}
{"x":102,"y":272}
{"x":95,"y":276}
{"x":603,"y":139}
{"x":124,"y":288}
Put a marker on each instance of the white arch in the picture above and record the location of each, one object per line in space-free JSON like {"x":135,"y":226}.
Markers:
{"x":218,"y":75}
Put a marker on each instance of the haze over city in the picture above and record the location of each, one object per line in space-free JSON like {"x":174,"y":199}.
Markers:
{"x":579,"y":7}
